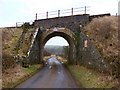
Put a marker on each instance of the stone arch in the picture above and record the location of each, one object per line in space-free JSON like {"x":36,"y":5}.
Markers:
{"x":62,"y":32}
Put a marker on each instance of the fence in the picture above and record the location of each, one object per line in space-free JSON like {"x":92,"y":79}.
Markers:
{"x":61,"y":13}
{"x":57,"y":13}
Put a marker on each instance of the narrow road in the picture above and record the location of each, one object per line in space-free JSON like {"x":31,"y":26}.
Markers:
{"x":55,"y":77}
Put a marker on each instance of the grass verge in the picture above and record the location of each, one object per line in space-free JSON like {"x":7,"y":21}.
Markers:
{"x":88,"y":78}
{"x":21,"y":76}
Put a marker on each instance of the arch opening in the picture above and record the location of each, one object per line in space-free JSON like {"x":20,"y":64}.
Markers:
{"x":56,"y":47}
{"x":72,"y":49}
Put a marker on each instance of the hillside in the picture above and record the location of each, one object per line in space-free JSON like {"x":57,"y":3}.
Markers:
{"x":10,"y":36}
{"x":52,"y":49}
{"x":15,"y":41}
{"x":103,"y":31}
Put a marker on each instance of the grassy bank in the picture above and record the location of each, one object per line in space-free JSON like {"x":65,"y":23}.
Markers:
{"x":17,"y":75}
{"x":91,"y":79}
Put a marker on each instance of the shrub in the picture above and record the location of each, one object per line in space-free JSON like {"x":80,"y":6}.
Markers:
{"x":26,"y":26}
{"x":103,"y":31}
{"x":7,"y":61}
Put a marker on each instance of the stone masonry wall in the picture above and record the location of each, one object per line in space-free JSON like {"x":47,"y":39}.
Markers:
{"x":90,"y":56}
{"x":87,"y":56}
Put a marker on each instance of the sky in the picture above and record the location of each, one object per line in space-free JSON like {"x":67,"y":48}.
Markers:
{"x":59,"y":41}
{"x":119,"y":8}
{"x":12,"y":11}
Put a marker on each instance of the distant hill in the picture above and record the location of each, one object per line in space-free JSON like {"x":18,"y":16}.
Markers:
{"x":52,"y":49}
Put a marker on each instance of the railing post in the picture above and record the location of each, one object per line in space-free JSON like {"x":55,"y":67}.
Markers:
{"x":72,"y":11}
{"x":85,"y":9}
{"x":116,"y":15}
{"x":16,"y":24}
{"x":36,"y":16}
{"x":58,"y":13}
{"x":46,"y":14}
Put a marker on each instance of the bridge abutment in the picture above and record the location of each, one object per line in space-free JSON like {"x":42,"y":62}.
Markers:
{"x":82,"y":51}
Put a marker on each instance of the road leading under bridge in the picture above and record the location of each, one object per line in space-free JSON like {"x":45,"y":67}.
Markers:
{"x":55,"y":77}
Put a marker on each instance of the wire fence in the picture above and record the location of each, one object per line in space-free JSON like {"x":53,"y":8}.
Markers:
{"x":58,"y":13}
{"x":61,"y":13}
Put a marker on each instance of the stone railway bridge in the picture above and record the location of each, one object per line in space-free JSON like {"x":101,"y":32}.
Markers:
{"x":69,"y":28}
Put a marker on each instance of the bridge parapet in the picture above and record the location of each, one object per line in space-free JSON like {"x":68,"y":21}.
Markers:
{"x":61,"y":13}
{"x":70,"y":22}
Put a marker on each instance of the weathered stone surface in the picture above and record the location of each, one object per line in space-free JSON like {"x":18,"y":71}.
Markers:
{"x":90,"y":57}
{"x":67,"y":27}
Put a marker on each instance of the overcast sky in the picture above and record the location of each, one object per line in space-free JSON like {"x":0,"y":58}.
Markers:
{"x":12,"y":11}
{"x":59,"y":41}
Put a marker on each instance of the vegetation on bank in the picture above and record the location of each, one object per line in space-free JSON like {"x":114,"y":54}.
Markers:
{"x":14,"y":76}
{"x":10,"y":36}
{"x":103,"y":31}
{"x":15,"y":44}
{"x":88,"y":78}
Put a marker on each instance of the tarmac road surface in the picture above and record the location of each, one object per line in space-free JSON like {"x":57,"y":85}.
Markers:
{"x":54,"y":75}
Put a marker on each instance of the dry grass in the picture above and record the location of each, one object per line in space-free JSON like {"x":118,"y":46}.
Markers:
{"x":13,"y":76}
{"x":12,"y":73}
{"x":26,"y":42}
{"x":10,"y":37}
{"x":104,"y":32}
{"x":91,"y":79}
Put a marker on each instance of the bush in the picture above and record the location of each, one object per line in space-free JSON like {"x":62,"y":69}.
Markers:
{"x":103,"y":31}
{"x":26,"y":26}
{"x":7,"y":61}
{"x":24,"y":62}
